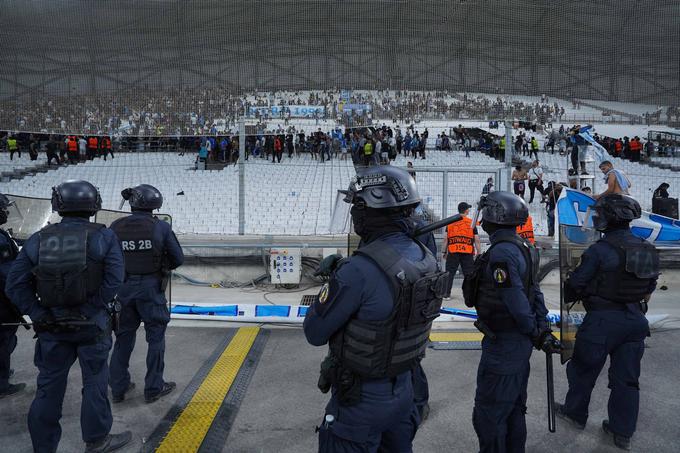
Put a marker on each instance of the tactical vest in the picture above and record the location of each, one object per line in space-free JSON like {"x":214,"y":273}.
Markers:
{"x":630,"y":281}
{"x":479,"y":290}
{"x":8,"y":250}
{"x":142,"y":255}
{"x":378,"y":349}
{"x":65,"y":275}
{"x":460,"y":236}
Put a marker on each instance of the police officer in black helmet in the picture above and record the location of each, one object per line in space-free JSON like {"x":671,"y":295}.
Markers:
{"x":64,"y":278}
{"x":512,"y":315}
{"x":375,"y":313}
{"x":8,"y":312}
{"x":151,"y":250}
{"x":615,"y":280}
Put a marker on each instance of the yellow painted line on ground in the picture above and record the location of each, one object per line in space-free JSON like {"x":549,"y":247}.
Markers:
{"x":190,"y":428}
{"x":462,"y":336}
{"x":455,"y":336}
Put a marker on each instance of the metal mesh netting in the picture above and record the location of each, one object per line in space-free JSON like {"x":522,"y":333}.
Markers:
{"x":67,"y":64}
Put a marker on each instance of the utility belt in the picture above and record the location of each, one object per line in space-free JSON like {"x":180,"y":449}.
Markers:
{"x":162,"y":276}
{"x":346,"y":382}
{"x":501,"y":325}
{"x":613,"y":306}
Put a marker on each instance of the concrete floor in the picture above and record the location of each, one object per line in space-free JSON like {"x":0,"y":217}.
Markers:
{"x":183,"y":360}
{"x":282,"y":404}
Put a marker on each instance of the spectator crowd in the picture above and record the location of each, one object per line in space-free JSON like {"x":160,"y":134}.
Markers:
{"x":206,"y":111}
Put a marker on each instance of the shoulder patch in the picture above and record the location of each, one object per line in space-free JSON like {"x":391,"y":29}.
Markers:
{"x":326,"y":297}
{"x":323,"y":294}
{"x":500,"y":275}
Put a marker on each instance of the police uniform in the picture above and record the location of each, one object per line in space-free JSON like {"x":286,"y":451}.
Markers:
{"x":614,"y":326}
{"x":150,"y":248}
{"x":421,"y":387}
{"x":8,"y":338}
{"x":375,"y":313}
{"x":511,"y":313}
{"x":59,"y":252}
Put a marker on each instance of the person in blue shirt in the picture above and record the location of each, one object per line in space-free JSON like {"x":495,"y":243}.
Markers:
{"x":615,"y":279}
{"x":8,"y":312}
{"x":151,"y":251}
{"x":203,"y":151}
{"x":65,"y":278}
{"x":512,"y":315}
{"x":367,"y":296}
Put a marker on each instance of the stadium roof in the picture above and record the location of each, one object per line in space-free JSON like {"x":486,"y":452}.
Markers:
{"x":622,"y":50}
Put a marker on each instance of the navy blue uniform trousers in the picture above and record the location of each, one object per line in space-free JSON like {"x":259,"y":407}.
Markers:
{"x":501,"y":397}
{"x":54,"y":356}
{"x":385,"y":420}
{"x":141,"y":300}
{"x":8,"y":341}
{"x":620,"y":335}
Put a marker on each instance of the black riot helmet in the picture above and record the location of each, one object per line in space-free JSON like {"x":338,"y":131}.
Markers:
{"x":143,"y":197}
{"x":383,"y":187}
{"x":5,"y":203}
{"x":503,"y":208}
{"x":76,"y":197}
{"x":615,"y":211}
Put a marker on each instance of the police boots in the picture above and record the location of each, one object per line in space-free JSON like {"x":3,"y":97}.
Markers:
{"x":111,"y":442}
{"x":12,"y":389}
{"x":621,"y":442}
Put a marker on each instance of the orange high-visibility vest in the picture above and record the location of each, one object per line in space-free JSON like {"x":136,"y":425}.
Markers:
{"x":72,"y":144}
{"x":460,"y":236}
{"x":92,"y":143}
{"x":526,"y":230}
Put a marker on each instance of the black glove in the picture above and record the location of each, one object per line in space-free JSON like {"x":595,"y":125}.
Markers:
{"x":545,"y":341}
{"x":45,"y":323}
{"x":328,"y":265}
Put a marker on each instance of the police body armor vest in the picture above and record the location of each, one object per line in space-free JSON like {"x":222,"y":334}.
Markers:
{"x":142,"y":255}
{"x":9,"y":250}
{"x":630,"y":281}
{"x":387,"y":348}
{"x":479,"y":290}
{"x":65,"y":275}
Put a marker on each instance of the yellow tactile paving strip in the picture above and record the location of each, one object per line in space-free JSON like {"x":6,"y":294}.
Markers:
{"x":190,"y":428}
{"x":463,"y":336}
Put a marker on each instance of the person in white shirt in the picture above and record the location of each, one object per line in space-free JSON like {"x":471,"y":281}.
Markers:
{"x":82,"y":148}
{"x":535,"y":180}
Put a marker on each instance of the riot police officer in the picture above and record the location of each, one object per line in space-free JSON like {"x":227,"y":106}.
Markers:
{"x":64,"y":279}
{"x":151,"y":250}
{"x":615,"y":279}
{"x":376,"y":312}
{"x":8,"y":312}
{"x":512,"y":315}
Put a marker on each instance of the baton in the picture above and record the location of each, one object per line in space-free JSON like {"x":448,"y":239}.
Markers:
{"x":551,"y":391}
{"x":436,"y":225}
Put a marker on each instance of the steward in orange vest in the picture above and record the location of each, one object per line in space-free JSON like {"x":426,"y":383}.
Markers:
{"x":526,"y":230}
{"x":461,"y":242}
{"x":92,"y":145}
{"x":72,"y":144}
{"x":460,"y":236}
{"x":107,"y":147}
